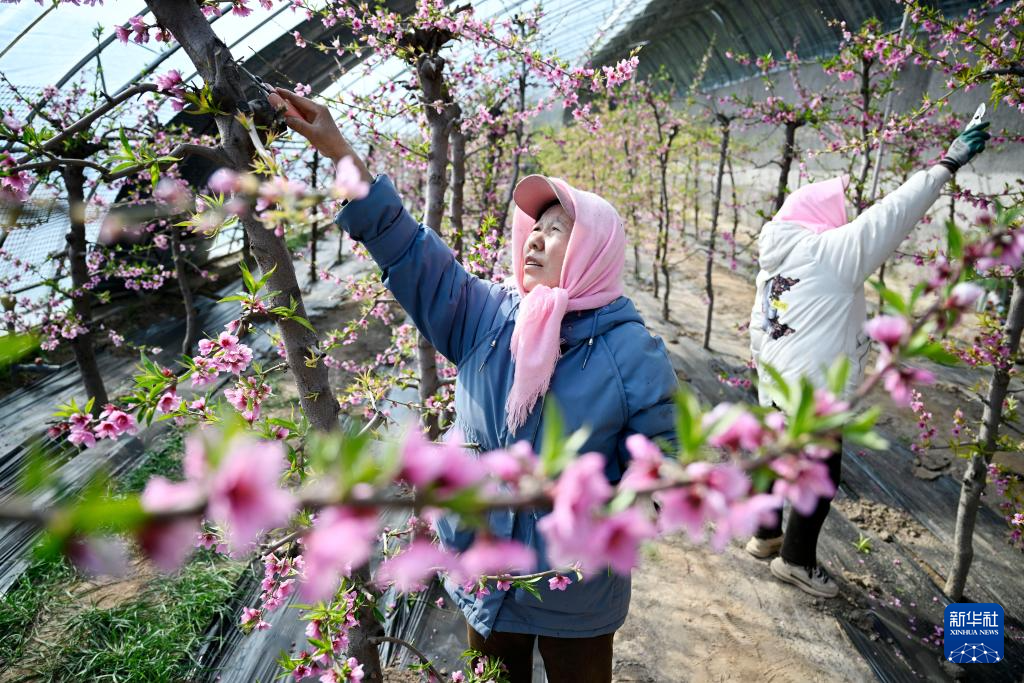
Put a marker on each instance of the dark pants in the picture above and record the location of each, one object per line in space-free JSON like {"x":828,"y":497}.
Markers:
{"x":566,"y":660}
{"x":800,"y":544}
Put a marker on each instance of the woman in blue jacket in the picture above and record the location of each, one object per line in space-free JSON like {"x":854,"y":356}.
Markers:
{"x":565,"y":333}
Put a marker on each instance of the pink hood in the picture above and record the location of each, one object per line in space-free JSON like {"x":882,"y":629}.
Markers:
{"x":591,"y":278}
{"x":818,"y":207}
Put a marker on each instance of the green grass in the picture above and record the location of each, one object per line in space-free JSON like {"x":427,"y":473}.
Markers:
{"x":154,"y":636}
{"x":162,"y":459}
{"x":40,"y":586}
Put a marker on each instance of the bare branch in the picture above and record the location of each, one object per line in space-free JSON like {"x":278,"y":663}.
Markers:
{"x":434,"y":673}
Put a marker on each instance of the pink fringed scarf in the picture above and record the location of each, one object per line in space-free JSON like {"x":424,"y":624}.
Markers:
{"x":818,"y":207}
{"x":591,"y":278}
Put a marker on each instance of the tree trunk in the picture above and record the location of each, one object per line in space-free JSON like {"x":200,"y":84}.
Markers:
{"x":430,"y":70}
{"x":181,"y":272}
{"x":865,"y":128}
{"x":458,"y":144}
{"x":213,"y":61}
{"x":952,"y":200}
{"x":723,"y":152}
{"x":788,"y":152}
{"x":215,"y":65}
{"x":696,"y":205}
{"x":314,"y":228}
{"x":631,"y":176}
{"x":83,"y":345}
{"x":663,"y":223}
{"x":518,"y":134}
{"x":974,"y":479}
{"x":247,"y":250}
{"x":735,"y":206}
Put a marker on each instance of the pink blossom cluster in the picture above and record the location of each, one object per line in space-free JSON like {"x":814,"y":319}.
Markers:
{"x":247,"y":397}
{"x":172,"y":84}
{"x":1009,"y":488}
{"x":85,"y":430}
{"x":891,"y":332}
{"x":329,"y":664}
{"x":61,"y":325}
{"x":223,"y":354}
{"x":580,"y":532}
{"x":241,"y":492}
{"x":138,"y":31}
{"x":13,"y":184}
{"x":925,"y":430}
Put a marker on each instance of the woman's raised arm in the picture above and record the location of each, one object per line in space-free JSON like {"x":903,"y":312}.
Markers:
{"x":448,"y":305}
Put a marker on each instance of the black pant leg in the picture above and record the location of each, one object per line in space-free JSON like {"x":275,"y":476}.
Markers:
{"x":515,"y":650}
{"x":800,"y":545}
{"x":577,"y":660}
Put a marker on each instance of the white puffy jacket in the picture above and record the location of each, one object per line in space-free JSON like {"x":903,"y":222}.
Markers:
{"x":814,"y":308}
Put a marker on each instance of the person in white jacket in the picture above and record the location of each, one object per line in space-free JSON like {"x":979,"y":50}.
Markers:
{"x":810,"y":310}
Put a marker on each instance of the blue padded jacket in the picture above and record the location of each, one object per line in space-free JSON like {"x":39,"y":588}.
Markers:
{"x":613,"y":377}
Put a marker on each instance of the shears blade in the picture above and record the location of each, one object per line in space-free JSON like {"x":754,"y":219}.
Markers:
{"x":979,"y":114}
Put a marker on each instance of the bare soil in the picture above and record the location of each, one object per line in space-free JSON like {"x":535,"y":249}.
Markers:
{"x":701,"y":616}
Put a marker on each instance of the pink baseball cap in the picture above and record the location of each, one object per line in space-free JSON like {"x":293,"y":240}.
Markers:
{"x":535,"y":193}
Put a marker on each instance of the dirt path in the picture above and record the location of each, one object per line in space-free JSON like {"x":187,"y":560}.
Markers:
{"x":700,"y":616}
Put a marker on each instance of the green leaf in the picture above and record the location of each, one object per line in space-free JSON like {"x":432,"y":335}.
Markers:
{"x":936,"y":352}
{"x":622,"y":500}
{"x":838,"y":374}
{"x":779,"y":384}
{"x":871,"y":440}
{"x":266,"y":276}
{"x":804,"y":412}
{"x":247,"y":278}
{"x":529,"y":588}
{"x":689,"y":424}
{"x":14,"y":347}
{"x":894,"y":301}
{"x":954,"y":241}
{"x":860,"y":430}
{"x":302,"y":321}
{"x":762,"y":478}
{"x":38,"y":471}
{"x":553,"y":456}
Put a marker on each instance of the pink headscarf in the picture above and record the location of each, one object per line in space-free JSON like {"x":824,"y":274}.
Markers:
{"x":591,"y":278}
{"x":818,"y":207}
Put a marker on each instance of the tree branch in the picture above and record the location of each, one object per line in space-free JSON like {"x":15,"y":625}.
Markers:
{"x":57,"y":162}
{"x":86,"y":121}
{"x":434,"y":674}
{"x":1007,"y":71}
{"x":214,"y":154}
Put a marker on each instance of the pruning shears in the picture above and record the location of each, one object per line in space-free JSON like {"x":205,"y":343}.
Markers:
{"x":263,"y":85}
{"x":979,"y":114}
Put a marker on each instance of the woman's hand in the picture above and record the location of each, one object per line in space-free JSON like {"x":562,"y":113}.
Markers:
{"x":313,"y":121}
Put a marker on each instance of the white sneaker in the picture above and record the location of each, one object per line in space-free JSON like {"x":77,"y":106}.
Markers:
{"x":763,"y":548}
{"x":812,"y":580}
